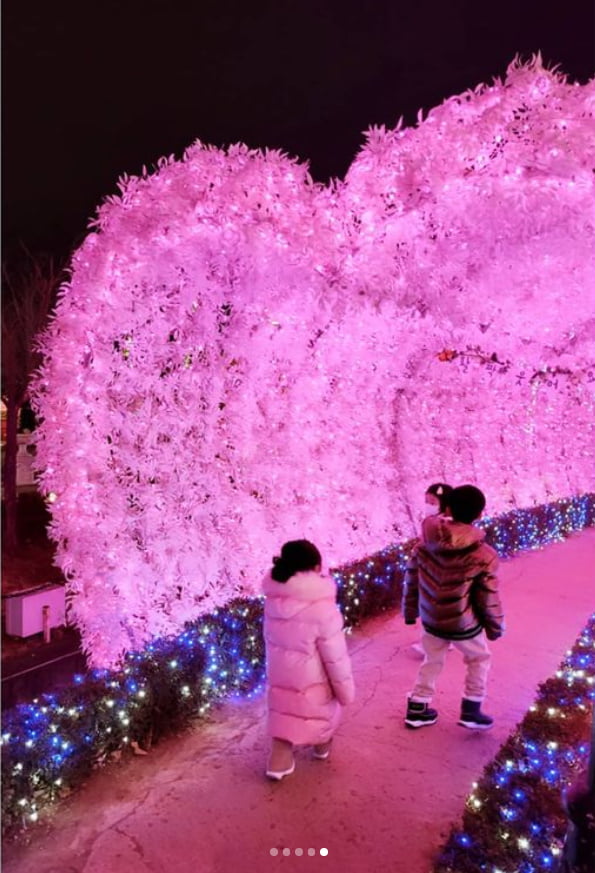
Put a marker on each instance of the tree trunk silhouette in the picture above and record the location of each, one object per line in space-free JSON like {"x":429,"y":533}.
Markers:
{"x":29,"y":286}
{"x":9,"y":477}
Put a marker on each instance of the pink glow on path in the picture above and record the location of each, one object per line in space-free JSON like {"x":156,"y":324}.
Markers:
{"x":209,"y":780}
{"x":242,"y":356}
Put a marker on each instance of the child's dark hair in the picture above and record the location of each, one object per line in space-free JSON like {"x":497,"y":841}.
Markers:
{"x":466,"y":503}
{"x":296,"y":556}
{"x":440,"y":490}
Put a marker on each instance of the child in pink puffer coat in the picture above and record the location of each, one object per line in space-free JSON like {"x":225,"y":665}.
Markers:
{"x":308,"y":667}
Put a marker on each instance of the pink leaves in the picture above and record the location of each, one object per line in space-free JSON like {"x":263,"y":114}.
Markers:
{"x":251,"y":357}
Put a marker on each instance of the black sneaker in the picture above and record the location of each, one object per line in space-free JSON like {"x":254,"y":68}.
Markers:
{"x":419,"y":715}
{"x":472,"y":716}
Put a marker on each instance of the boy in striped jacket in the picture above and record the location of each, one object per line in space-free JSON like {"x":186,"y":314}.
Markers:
{"x":451,"y":584}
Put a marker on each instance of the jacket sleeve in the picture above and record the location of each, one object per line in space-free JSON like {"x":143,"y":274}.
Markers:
{"x":332,"y":648}
{"x":410,"y":600}
{"x":486,"y":600}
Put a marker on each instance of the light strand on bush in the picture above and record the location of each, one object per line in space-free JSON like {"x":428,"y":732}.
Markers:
{"x":514,"y":820}
{"x":51,"y":744}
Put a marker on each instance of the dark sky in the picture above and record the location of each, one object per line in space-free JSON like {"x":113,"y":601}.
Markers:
{"x":96,"y":88}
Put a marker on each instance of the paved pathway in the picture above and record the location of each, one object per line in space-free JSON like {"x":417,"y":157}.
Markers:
{"x":199,"y":803}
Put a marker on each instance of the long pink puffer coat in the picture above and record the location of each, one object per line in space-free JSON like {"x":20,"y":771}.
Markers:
{"x":308,"y":667}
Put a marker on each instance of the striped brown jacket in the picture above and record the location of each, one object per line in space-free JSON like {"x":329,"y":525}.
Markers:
{"x":451,"y":582}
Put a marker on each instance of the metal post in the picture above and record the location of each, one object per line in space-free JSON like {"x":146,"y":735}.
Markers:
{"x":47,"y":631}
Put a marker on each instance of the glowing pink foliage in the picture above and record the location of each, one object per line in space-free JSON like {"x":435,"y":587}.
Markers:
{"x":242,"y":356}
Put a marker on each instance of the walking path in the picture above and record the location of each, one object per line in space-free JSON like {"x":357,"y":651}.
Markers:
{"x":198,"y":803}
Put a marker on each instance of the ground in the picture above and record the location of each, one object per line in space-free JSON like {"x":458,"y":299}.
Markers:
{"x":199,"y":802}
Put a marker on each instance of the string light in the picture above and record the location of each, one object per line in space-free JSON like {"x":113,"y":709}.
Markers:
{"x":531,"y":773}
{"x":222,"y":655}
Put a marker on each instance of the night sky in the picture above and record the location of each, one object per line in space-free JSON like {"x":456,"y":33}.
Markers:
{"x":95,"y":89}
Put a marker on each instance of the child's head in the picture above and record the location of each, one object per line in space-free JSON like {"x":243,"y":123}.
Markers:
{"x":466,"y":503}
{"x":436,"y":496}
{"x":296,"y":557}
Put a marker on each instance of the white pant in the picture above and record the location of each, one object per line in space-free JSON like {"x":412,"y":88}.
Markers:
{"x":476,"y":656}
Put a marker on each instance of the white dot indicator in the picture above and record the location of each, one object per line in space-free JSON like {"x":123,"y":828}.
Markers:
{"x":274,"y":852}
{"x":324,"y":851}
{"x":299,"y":852}
{"x":287,"y":851}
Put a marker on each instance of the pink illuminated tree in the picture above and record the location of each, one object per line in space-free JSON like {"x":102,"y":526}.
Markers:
{"x":242,"y":356}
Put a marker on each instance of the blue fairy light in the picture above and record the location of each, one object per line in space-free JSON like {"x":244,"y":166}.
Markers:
{"x":222,"y":655}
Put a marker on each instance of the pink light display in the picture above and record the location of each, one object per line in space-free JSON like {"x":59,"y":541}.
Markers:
{"x":242,"y":356}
